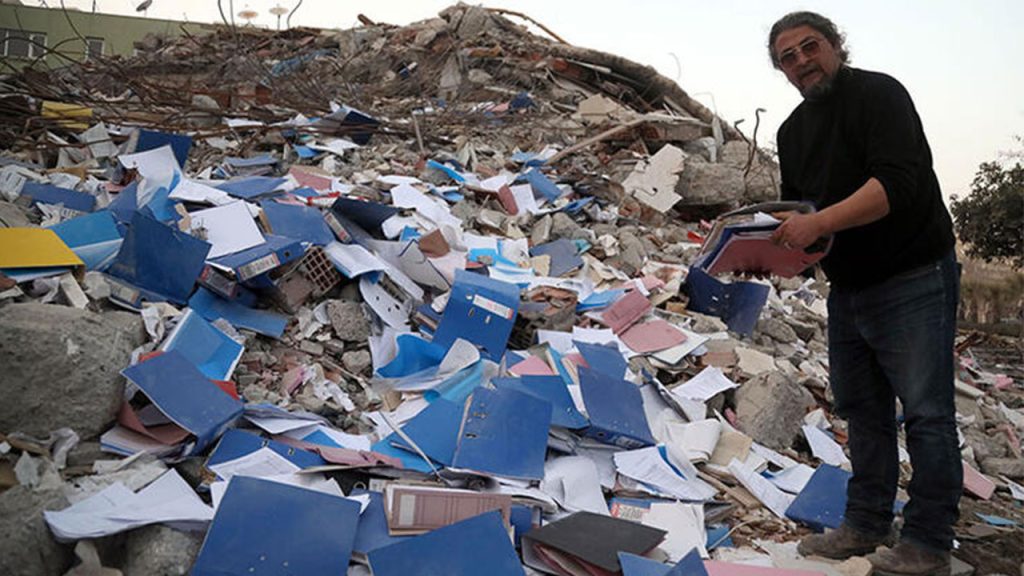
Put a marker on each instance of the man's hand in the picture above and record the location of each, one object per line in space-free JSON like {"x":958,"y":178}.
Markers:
{"x":798,"y":231}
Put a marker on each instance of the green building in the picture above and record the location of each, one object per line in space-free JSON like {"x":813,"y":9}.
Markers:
{"x":28,"y":33}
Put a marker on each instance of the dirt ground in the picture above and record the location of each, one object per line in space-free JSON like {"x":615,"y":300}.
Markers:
{"x":989,"y":549}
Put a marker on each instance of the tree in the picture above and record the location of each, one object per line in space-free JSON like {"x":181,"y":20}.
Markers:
{"x":990,"y":220}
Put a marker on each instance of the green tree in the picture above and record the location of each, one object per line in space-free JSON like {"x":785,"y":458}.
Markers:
{"x":990,"y":219}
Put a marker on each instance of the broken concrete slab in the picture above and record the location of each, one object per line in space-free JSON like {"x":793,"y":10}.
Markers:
{"x":703,"y":183}
{"x":69,"y":375}
{"x":161,"y":550}
{"x":27,"y":547}
{"x":348,"y":320}
{"x":770,"y":409}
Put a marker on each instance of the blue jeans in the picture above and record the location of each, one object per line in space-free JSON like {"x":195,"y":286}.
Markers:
{"x":895,"y":340}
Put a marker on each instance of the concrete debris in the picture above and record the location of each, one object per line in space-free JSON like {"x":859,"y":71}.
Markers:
{"x":484,"y":278}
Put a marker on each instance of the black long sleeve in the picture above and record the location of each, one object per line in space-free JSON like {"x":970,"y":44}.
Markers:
{"x":867,"y":127}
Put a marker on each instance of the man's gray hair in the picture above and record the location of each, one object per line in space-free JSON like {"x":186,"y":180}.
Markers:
{"x":821,"y":24}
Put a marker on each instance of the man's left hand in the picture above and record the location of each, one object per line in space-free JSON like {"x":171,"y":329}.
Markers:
{"x":799,"y":231}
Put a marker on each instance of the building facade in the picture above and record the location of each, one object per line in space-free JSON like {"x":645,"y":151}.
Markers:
{"x":58,"y":37}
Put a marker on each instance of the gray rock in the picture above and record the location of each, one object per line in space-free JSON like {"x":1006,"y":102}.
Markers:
{"x":633,"y":253}
{"x":61,"y":367}
{"x":562,"y":226}
{"x":27,"y":548}
{"x":356,"y":361}
{"x":310,"y":347}
{"x":160,"y":550}
{"x":804,"y":330}
{"x":349,"y":321}
{"x":702,"y":184}
{"x":1012,"y":468}
{"x":770,"y":409}
{"x":777,"y":330}
{"x":13,"y":216}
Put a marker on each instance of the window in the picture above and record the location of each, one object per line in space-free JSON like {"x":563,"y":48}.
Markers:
{"x":93,"y":47}
{"x":22,"y":43}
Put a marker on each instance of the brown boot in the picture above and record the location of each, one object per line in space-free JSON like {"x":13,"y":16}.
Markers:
{"x":906,"y":559}
{"x":840,"y":544}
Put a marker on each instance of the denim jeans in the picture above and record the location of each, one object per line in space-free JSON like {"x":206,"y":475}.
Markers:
{"x":895,"y":340}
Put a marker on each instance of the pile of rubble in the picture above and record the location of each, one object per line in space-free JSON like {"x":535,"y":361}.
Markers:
{"x":433,"y":286}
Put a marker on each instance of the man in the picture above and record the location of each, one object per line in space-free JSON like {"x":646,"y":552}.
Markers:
{"x":855,"y":148}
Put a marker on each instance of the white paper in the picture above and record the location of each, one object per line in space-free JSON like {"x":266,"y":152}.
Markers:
{"x":344,"y":439}
{"x":573,"y":482}
{"x":405,"y":196}
{"x":695,"y":440}
{"x":525,"y":201}
{"x":772,"y":456}
{"x":824,"y":447}
{"x":684,"y":524}
{"x":314,"y":482}
{"x":774,"y":499}
{"x":115,"y":509}
{"x":648,"y":467}
{"x":1016,"y":490}
{"x":276,"y":425}
{"x":260,"y":464}
{"x":705,"y":385}
{"x":352,"y":259}
{"x":228,"y":228}
{"x":334,"y":146}
{"x":158,"y":163}
{"x":190,"y":190}
{"x":675,"y":354}
{"x":793,"y":479}
{"x":560,"y":342}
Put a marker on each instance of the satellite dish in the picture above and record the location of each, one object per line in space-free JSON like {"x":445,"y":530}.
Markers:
{"x":248,"y":15}
{"x":144,"y":6}
{"x":279,"y":11}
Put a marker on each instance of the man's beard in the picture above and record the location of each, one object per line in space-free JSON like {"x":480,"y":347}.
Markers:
{"x":821,"y":89}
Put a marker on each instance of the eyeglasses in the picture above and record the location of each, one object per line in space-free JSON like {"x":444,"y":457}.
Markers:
{"x":810,"y":48}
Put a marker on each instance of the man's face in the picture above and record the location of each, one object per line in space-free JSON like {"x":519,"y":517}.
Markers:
{"x":809,"y":61}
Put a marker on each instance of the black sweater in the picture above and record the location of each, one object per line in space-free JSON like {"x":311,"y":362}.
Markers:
{"x":867,"y":127}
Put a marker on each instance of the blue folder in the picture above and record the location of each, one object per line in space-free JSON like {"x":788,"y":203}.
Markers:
{"x":205,"y":346}
{"x":822,"y":502}
{"x":504,"y":433}
{"x":739,"y":304}
{"x":540,"y":184}
{"x":264,"y":527}
{"x":180,"y":143}
{"x":360,"y":219}
{"x":603,"y":358}
{"x":550,"y":389}
{"x":185,"y":396}
{"x":481,"y":310}
{"x":93,"y":237}
{"x":414,"y":355}
{"x":435,"y":430}
{"x":237,"y":443}
{"x":159,"y":260}
{"x":125,"y":204}
{"x":50,"y":194}
{"x":300,"y":222}
{"x":372,"y":532}
{"x":479,"y":545}
{"x":253,"y":262}
{"x":690,"y":565}
{"x":211,"y":307}
{"x":616,"y":410}
{"x":564,"y":256}
{"x":251,"y":187}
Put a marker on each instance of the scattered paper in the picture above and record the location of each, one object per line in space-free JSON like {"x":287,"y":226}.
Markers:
{"x":823,"y":447}
{"x":774,"y":499}
{"x":705,"y":385}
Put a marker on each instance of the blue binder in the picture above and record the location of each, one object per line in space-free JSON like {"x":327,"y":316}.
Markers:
{"x":300,"y":222}
{"x":540,"y":184}
{"x":564,"y":257}
{"x":180,"y":143}
{"x":205,"y":346}
{"x":616,"y":410}
{"x":603,"y":358}
{"x":360,"y":218}
{"x":162,"y":263}
{"x":264,"y":527}
{"x":504,"y":433}
{"x":258,"y":260}
{"x":550,"y":389}
{"x":372,"y":532}
{"x":822,"y":502}
{"x":185,"y":396}
{"x":690,"y":565}
{"x":237,"y":443}
{"x":479,"y":545}
{"x":211,"y":307}
{"x":93,"y":237}
{"x":435,"y":430}
{"x":50,"y":194}
{"x":251,"y":187}
{"x":738,"y":304}
{"x":481,"y":310}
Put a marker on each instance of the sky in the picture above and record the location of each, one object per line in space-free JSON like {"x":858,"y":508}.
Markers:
{"x":961,"y":61}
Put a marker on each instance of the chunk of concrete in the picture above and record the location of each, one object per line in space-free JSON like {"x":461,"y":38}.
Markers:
{"x":160,"y":550}
{"x":27,"y":548}
{"x":348,"y":320}
{"x":61,"y":367}
{"x":1010,"y":467}
{"x":770,"y":409}
{"x":703,"y":184}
